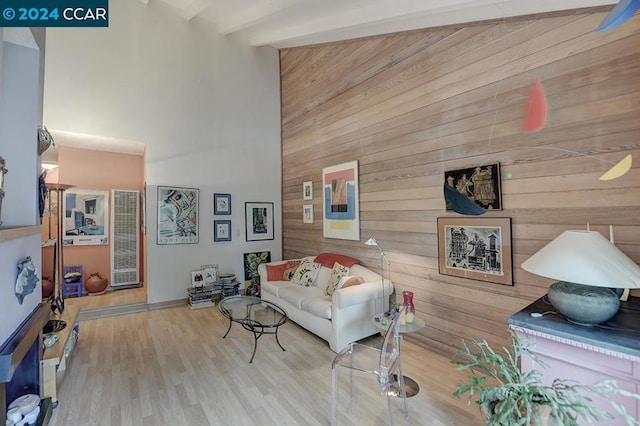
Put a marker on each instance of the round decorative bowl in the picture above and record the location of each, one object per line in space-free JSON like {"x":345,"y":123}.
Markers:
{"x":95,"y":284}
{"x":583,"y":304}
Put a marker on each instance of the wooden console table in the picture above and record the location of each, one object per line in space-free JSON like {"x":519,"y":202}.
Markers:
{"x":55,"y":359}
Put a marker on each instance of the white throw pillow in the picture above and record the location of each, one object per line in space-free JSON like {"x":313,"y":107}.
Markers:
{"x":337,"y":273}
{"x":306,"y":273}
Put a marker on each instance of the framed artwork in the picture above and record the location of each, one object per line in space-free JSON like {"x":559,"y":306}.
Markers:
{"x":221,"y":230}
{"x":251,"y":275}
{"x":341,"y":218}
{"x":258,"y":221}
{"x":86,"y":217}
{"x":221,"y":203}
{"x":475,"y":248}
{"x":210,"y":273}
{"x":307,"y":190}
{"x":479,"y":184}
{"x":197,"y":278}
{"x":177,"y":215}
{"x":307,"y":213}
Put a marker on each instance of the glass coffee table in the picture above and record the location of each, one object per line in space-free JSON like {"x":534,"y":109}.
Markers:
{"x":254,"y":315}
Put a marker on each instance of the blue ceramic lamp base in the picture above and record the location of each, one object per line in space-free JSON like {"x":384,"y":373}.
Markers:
{"x":583,"y":304}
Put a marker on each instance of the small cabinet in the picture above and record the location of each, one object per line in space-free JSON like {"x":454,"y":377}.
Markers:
{"x":585,"y":354}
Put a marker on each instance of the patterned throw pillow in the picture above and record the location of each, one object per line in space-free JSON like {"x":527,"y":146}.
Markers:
{"x":283,"y":271}
{"x":292,"y":267}
{"x":337,"y":272}
{"x":306,"y":273}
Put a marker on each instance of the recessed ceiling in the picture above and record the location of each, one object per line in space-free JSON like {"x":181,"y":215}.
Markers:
{"x":289,"y":23}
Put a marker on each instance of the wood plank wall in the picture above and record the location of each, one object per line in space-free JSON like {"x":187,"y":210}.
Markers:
{"x":409,"y":106}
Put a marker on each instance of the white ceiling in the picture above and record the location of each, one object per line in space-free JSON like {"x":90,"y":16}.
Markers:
{"x":289,"y":23}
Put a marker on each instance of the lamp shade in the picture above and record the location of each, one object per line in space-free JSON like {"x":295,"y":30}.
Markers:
{"x":584,"y":257}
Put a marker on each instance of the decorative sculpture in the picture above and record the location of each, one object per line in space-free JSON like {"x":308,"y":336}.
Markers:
{"x":27,"y":278}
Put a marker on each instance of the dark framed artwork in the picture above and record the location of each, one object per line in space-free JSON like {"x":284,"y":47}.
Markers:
{"x":221,"y":204}
{"x":177,"y":215}
{"x":251,"y":275}
{"x":480,"y":184}
{"x":258,"y":221}
{"x":221,"y":230}
{"x":476,"y":248}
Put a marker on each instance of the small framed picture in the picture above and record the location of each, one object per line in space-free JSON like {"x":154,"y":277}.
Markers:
{"x":307,"y":190}
{"x":197,"y":278}
{"x":221,"y":230}
{"x":307,"y":213}
{"x":210,"y":273}
{"x":258,"y":221}
{"x":221,"y":203}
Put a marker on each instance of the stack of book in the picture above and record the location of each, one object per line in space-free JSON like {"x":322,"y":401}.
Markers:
{"x":229,"y":288}
{"x":202,"y":297}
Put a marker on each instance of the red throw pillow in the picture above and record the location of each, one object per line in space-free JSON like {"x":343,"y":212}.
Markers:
{"x":328,"y":259}
{"x":275,"y":272}
{"x":279,"y":272}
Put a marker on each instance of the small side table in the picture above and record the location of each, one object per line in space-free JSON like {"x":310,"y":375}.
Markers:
{"x":411,"y":387}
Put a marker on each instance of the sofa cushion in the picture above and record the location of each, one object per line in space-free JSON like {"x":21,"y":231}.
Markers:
{"x":328,"y":259}
{"x":274,"y":287}
{"x":283,"y":271}
{"x":306,"y":273}
{"x":318,"y":306}
{"x":349,"y":281}
{"x":297,"y":294}
{"x":337,"y":272}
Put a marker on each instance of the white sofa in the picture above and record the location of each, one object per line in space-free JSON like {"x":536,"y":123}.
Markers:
{"x":340,"y":319}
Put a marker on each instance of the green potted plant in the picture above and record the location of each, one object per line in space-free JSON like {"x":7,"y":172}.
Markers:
{"x":509,"y":396}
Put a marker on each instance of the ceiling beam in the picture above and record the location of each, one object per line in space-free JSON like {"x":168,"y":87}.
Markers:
{"x":194,"y":8}
{"x":255,"y":15}
{"x":386,"y":17}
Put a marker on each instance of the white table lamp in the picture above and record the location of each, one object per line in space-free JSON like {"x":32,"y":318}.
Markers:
{"x":587,"y":266}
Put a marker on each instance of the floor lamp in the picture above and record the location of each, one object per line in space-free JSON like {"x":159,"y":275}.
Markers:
{"x":372,"y":242}
{"x":58,"y":255}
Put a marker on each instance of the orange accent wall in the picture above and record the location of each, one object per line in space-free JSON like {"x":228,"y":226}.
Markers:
{"x":99,"y":170}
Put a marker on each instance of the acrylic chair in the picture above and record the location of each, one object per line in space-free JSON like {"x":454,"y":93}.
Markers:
{"x":383,"y":363}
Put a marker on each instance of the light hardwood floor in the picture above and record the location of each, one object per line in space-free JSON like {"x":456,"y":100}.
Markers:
{"x":172,"y":367}
{"x":111,"y":298}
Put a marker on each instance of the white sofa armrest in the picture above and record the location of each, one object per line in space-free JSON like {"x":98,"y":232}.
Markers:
{"x":361,"y":293}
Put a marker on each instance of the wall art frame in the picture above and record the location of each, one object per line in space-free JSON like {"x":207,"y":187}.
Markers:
{"x":307,"y":190}
{"x":480,"y":184}
{"x":197,"y":278}
{"x":258,"y":221}
{"x":476,"y":248}
{"x":221,"y":230}
{"x":251,"y":275}
{"x":178,"y":215}
{"x":307,"y":213}
{"x":222,"y":204}
{"x":340,"y":198}
{"x":86,"y":217}
{"x":210,"y":273}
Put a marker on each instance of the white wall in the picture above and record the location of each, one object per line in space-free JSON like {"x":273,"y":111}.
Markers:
{"x":20,"y":94}
{"x":206,"y":106}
